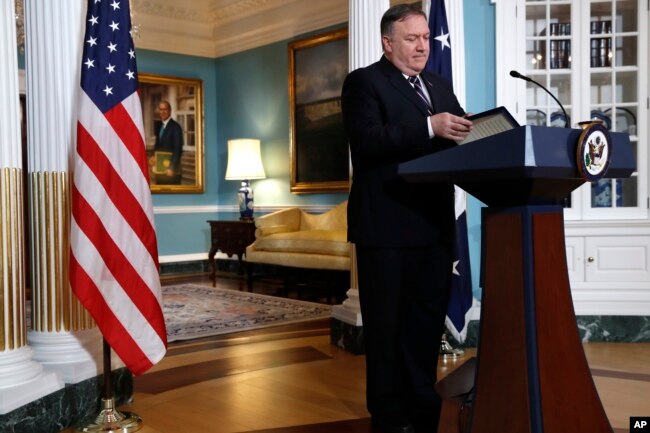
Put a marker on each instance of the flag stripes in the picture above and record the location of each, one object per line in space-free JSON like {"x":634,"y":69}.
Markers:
{"x":113,"y":250}
{"x":122,"y":342}
{"x":109,"y":142}
{"x":128,"y":133}
{"x":113,"y":259}
{"x":107,"y":183}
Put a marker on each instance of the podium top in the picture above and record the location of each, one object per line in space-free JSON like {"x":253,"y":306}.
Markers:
{"x":525,"y":165}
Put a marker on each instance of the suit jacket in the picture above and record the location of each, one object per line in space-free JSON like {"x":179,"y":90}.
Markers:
{"x":171,"y":141}
{"x":385,"y":122}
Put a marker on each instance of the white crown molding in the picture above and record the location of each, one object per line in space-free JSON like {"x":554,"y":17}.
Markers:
{"x":216,"y":28}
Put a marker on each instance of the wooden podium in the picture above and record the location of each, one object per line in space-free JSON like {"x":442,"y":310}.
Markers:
{"x":531,"y":373}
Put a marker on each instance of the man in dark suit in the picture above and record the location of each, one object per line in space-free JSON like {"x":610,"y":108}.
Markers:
{"x":168,"y":147}
{"x":404,"y":247}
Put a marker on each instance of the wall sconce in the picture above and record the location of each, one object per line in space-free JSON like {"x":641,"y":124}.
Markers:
{"x":245,"y":163}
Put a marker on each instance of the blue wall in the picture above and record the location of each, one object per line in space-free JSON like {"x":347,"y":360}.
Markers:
{"x":246,"y":95}
{"x":480,"y":86}
{"x":253,"y":101}
{"x":187,"y":233}
{"x":176,"y":65}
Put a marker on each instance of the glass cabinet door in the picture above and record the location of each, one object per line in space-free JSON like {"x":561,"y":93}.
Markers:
{"x":590,"y":54}
{"x":548,"y":61}
{"x":614,"y":88}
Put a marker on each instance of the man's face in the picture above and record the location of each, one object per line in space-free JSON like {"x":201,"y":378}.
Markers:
{"x":407,"y":47}
{"x":164,"y":111}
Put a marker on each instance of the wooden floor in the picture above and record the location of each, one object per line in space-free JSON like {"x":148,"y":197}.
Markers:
{"x":291,"y":379}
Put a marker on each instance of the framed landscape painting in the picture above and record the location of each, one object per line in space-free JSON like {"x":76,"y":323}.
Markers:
{"x":318,"y":144}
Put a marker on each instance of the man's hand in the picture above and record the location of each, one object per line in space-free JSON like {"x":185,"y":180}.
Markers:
{"x":446,"y":125}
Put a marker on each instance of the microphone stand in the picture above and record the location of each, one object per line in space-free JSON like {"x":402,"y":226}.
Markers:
{"x":516,"y":74}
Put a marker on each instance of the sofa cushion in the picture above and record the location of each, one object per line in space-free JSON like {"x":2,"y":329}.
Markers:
{"x":270,"y":230}
{"x":334,"y":219}
{"x":333,"y":242}
{"x":299,"y":260}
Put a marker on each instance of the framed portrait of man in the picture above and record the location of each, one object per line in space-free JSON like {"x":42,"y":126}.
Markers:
{"x":172,"y":113}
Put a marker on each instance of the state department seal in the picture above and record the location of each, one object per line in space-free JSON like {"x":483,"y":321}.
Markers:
{"x":593,"y":150}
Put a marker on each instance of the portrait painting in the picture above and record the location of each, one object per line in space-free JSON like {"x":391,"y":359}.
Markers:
{"x":172,"y":113}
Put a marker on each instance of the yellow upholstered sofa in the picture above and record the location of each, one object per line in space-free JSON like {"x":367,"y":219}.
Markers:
{"x":297,"y":239}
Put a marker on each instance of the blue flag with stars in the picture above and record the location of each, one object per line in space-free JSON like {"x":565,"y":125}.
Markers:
{"x":113,"y":260}
{"x":109,"y":72}
{"x":460,"y":299}
{"x":439,"y":61}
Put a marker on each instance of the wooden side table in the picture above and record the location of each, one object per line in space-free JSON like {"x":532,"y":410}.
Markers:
{"x":229,"y":237}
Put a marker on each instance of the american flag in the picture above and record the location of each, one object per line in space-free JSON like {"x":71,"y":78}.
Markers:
{"x":460,"y":300}
{"x":114,"y":257}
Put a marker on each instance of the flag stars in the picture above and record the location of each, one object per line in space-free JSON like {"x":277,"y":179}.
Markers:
{"x":108,"y":66}
{"x":443,"y":38}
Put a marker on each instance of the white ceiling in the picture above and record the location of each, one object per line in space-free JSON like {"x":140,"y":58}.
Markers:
{"x":215,"y":28}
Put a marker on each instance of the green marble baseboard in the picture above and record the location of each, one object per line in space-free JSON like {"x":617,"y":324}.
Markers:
{"x":614,"y":329}
{"x":73,"y":406}
{"x":610,"y":329}
{"x":194,"y":267}
{"x":347,"y":337}
{"x":185,"y":268}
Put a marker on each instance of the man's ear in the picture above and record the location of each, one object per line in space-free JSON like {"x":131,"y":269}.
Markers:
{"x":386,"y":44}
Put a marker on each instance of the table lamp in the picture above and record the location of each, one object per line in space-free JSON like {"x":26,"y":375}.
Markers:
{"x":245,"y":163}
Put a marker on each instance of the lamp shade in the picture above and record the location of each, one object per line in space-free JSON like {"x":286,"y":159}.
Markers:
{"x":244,"y":160}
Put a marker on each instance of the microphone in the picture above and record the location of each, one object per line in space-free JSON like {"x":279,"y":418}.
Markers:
{"x":516,"y":74}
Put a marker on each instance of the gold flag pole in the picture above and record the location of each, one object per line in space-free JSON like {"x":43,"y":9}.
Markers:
{"x":111,"y":420}
{"x":447,"y":350}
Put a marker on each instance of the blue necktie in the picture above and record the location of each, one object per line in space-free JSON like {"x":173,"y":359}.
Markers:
{"x":418,"y":88}
{"x":160,"y":133}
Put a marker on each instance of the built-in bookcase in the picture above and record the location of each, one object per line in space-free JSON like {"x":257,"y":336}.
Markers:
{"x":593,"y":56}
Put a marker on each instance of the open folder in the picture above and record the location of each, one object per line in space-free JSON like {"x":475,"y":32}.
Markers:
{"x":162,"y":161}
{"x":489,"y":123}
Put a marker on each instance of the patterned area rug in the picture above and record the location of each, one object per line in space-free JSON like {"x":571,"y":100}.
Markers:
{"x":195,"y":311}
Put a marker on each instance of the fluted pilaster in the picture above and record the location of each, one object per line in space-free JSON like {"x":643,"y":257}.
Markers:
{"x":364,"y":41}
{"x":21,"y":379}
{"x":364,"y":36}
{"x":63,"y":335}
{"x":13,"y":333}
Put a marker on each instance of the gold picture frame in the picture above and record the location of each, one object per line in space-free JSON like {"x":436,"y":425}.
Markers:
{"x":185,"y":97}
{"x":318,"y":144}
